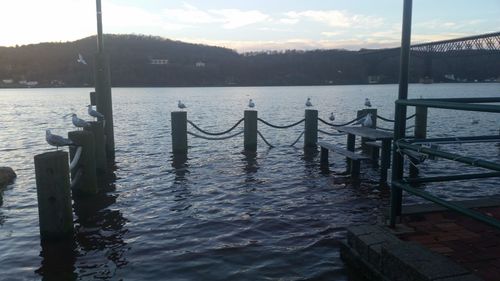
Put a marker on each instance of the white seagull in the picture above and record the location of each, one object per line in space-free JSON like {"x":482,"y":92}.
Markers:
{"x":308,"y":102}
{"x":181,"y":105}
{"x":56,"y":140}
{"x":367,"y":121}
{"x":79,"y":123}
{"x":332,"y":117}
{"x":251,"y":104}
{"x":367,"y":102}
{"x":80,"y":59}
{"x":94,"y":113}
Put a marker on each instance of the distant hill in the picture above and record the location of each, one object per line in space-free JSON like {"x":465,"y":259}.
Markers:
{"x":153,"y":61}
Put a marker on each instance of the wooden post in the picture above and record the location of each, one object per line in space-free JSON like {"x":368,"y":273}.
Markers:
{"x":104,"y":102}
{"x":54,"y":195}
{"x":92,"y":98}
{"x":250,"y":131}
{"x":97,"y":129}
{"x":420,"y":132}
{"x":179,"y":132}
{"x":87,"y":182}
{"x":351,"y":143}
{"x":311,"y":129}
{"x":324,"y":157}
{"x":363,"y":112}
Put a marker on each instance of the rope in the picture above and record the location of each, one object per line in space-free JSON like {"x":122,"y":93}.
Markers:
{"x":264,"y":139}
{"x":391,"y":130}
{"x":341,"y":125}
{"x":331,"y":134}
{"x":76,"y":159}
{"x":209,"y":138}
{"x":76,"y":179}
{"x":215,"y":134}
{"x":295,"y":142}
{"x":391,"y":120}
{"x":281,"y":127}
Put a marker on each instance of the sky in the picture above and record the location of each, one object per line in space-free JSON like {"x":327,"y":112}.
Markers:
{"x":250,"y":25}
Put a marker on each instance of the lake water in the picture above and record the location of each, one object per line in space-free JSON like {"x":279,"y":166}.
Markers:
{"x":222,"y":215}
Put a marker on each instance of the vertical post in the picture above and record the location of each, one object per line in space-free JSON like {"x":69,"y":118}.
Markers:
{"x":420,"y":132}
{"x":324,"y":157}
{"x":400,"y":124}
{"x":97,"y":129}
{"x":92,"y":98}
{"x":87,"y":183}
{"x":179,"y":132}
{"x":250,"y":131}
{"x":311,"y":129}
{"x":351,"y":144}
{"x":54,"y":195}
{"x":103,"y":87}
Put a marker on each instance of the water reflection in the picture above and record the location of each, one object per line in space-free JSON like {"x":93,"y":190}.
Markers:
{"x":59,"y":259}
{"x":250,"y":165}
{"x":179,"y":163}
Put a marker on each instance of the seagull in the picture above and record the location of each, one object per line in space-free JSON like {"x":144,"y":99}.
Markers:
{"x":181,"y":105}
{"x":308,"y":102}
{"x":80,"y":59}
{"x":94,"y":113}
{"x":332,"y":117}
{"x":367,"y":102}
{"x":251,"y":104}
{"x":56,"y":140}
{"x":80,"y":123}
{"x":367,"y":121}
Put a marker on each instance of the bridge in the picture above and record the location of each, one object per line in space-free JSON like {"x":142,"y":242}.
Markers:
{"x":483,"y":44}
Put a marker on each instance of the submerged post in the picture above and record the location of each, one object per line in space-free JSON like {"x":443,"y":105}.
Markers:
{"x":54,"y":195}
{"x":311,"y":129}
{"x":250,"y":131}
{"x":103,"y":87}
{"x":179,"y":132}
{"x":84,"y":173}
{"x":400,"y":124}
{"x":420,"y":132}
{"x":97,"y":129}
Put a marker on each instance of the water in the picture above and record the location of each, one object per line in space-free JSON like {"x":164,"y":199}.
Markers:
{"x":223,"y":215}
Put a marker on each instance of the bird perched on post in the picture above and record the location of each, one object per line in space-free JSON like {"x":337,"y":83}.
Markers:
{"x":94,"y":113}
{"x":181,"y":105}
{"x":332,"y":117}
{"x":367,"y":102}
{"x":251,"y":104}
{"x":308,"y":102}
{"x":367,"y":121}
{"x":79,"y":123}
{"x":56,"y":140}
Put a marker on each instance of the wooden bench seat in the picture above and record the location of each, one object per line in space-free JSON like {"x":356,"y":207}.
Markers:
{"x":355,"y":158}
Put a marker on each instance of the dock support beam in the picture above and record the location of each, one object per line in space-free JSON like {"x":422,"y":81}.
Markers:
{"x":400,"y":124}
{"x":179,"y":132}
{"x":87,"y":184}
{"x":54,"y":195}
{"x":250,"y":131}
{"x":311,"y":129}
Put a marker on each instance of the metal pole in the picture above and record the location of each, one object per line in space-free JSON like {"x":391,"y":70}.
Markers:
{"x":400,"y":124}
{"x":100,"y":44}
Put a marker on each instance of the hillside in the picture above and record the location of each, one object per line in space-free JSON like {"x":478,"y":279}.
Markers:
{"x":153,"y":61}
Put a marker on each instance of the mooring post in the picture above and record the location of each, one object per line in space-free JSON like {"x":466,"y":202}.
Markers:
{"x":86,"y":182}
{"x":179,"y":132}
{"x":97,"y":129}
{"x":250,"y":130}
{"x":311,"y":129}
{"x":54,"y":195}
{"x":420,"y":132}
{"x":373,"y":151}
{"x":92,"y":98}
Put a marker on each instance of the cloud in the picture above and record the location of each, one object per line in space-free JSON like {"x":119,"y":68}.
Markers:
{"x":333,"y":18}
{"x":234,"y":18}
{"x":331,"y":34}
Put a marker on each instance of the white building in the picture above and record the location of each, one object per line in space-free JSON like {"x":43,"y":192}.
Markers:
{"x":158,"y":61}
{"x":200,"y":64}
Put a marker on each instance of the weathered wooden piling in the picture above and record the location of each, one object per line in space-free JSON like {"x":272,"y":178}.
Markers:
{"x":97,"y":129}
{"x":311,"y":129}
{"x":104,"y":102}
{"x":420,"y":132}
{"x":92,"y":98}
{"x":250,"y":131}
{"x":365,"y":148}
{"x":179,"y":132}
{"x":54,"y":195}
{"x":87,"y":182}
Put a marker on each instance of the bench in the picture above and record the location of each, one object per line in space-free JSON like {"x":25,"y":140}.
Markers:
{"x":355,"y":158}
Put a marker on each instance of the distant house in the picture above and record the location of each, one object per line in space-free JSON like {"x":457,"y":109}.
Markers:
{"x":8,"y":81}
{"x":158,"y":61}
{"x":199,"y":64}
{"x":28,"y":83}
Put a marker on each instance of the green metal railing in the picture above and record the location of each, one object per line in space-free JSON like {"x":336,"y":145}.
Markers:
{"x":403,"y":146}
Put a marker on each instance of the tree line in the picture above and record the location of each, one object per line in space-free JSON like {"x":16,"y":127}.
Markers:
{"x":134,"y":61}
